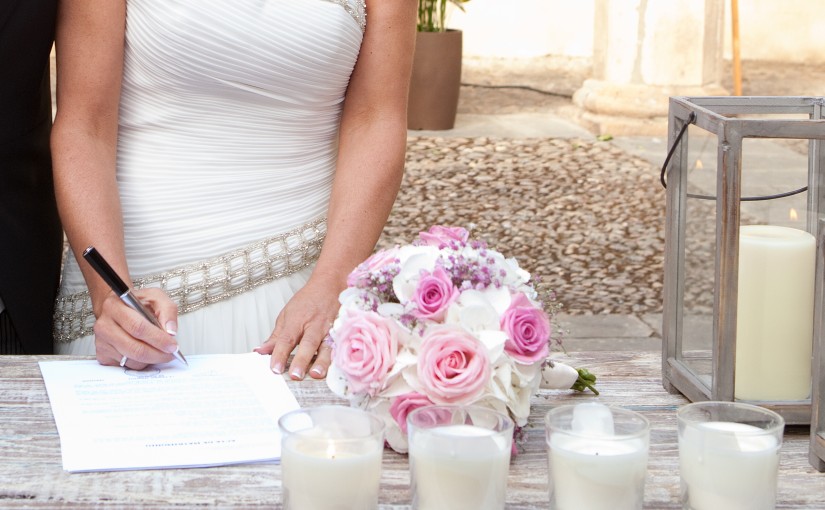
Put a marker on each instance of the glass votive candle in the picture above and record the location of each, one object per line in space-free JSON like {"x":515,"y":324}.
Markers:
{"x":728,"y":455}
{"x":459,"y":457}
{"x":597,"y":457}
{"x":331,"y":458}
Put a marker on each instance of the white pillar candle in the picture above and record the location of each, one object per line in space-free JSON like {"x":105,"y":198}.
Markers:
{"x":458,"y":467}
{"x":731,"y":466}
{"x":597,"y":457}
{"x":774,"y":329}
{"x":331,"y":458}
{"x":330,"y":474}
{"x":597,"y":474}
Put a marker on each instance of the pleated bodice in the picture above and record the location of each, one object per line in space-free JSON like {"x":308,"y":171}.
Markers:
{"x":229,"y":119}
{"x":228,"y":135}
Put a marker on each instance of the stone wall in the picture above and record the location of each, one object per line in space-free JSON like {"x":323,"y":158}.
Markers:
{"x":774,"y":30}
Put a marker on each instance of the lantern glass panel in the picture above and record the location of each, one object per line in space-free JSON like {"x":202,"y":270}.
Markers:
{"x":775,"y":285}
{"x":762,"y":175}
{"x":700,"y":250}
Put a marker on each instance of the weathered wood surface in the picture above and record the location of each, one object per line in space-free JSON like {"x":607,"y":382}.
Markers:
{"x":31,"y":474}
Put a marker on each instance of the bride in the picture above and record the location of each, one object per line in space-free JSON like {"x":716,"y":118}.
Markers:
{"x":235,"y":160}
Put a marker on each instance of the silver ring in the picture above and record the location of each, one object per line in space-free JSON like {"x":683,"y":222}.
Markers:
{"x":123,"y":361}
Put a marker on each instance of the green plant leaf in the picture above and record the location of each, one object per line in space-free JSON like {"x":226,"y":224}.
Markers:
{"x":432,"y":14}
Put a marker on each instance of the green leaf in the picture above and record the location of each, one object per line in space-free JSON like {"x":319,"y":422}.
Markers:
{"x":586,"y":381}
{"x":432,"y":14}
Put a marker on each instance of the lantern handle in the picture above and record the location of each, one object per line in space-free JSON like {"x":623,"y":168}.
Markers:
{"x":690,"y":120}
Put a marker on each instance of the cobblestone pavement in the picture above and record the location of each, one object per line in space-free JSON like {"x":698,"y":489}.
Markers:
{"x":585,"y":216}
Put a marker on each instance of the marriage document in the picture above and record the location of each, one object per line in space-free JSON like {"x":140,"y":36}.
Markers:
{"x":223,"y":409}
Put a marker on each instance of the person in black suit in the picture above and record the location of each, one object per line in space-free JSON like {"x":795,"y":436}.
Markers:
{"x":31,"y":239}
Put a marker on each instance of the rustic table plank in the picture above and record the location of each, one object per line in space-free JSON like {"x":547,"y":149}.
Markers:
{"x":31,"y":474}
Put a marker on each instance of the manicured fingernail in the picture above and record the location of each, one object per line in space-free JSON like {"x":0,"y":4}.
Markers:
{"x":278,"y":367}
{"x":172,"y":349}
{"x":297,"y":373}
{"x":172,"y":328}
{"x":317,"y":370}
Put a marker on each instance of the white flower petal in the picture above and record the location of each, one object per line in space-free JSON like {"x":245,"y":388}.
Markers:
{"x":520,"y":273}
{"x":494,"y":342}
{"x":453,"y":315}
{"x":472,"y":297}
{"x":406,"y":252}
{"x":476,"y":318}
{"x":403,"y":289}
{"x":336,"y":381}
{"x":348,"y":295}
{"x":498,"y":298}
{"x":410,"y":375}
{"x":529,"y":375}
{"x":393,"y":310}
{"x":558,"y":377}
{"x":399,"y":386}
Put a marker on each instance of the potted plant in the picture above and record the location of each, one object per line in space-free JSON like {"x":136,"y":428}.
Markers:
{"x":436,"y":74}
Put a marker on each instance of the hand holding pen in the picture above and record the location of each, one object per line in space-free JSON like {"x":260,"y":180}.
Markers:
{"x":115,"y":345}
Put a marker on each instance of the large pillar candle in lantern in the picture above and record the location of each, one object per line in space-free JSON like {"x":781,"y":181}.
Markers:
{"x":774,"y":328}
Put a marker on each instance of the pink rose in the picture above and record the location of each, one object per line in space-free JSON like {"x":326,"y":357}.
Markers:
{"x":527,"y":329}
{"x":434,"y":294}
{"x":402,"y":405}
{"x":361,"y":275}
{"x":439,"y":236}
{"x":365,"y":349}
{"x":452,"y":365}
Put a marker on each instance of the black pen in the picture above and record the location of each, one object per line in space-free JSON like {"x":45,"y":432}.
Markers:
{"x":99,"y":264}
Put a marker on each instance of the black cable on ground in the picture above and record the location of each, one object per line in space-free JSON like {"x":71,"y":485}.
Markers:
{"x":522,"y":87}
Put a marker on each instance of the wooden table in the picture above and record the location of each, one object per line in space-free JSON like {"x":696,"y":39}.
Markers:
{"x":31,"y":474}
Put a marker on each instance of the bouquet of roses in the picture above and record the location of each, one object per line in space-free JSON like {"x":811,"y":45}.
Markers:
{"x":444,"y":320}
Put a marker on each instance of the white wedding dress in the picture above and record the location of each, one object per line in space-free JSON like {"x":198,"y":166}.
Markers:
{"x":227,"y":145}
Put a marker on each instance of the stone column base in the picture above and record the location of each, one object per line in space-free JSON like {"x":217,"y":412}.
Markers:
{"x":630,"y":109}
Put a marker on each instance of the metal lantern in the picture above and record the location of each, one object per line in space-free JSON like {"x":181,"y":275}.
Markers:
{"x":743,"y":283}
{"x":818,"y":395}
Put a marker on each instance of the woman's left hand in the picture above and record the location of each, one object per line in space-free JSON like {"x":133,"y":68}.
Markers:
{"x":371,"y":148}
{"x":305,"y":321}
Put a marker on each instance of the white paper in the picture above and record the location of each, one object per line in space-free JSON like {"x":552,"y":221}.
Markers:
{"x":223,"y":409}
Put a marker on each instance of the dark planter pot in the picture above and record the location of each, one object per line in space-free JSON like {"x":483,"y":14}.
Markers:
{"x":436,"y":80}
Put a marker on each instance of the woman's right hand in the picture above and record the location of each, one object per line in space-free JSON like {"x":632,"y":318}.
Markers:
{"x":122,"y":331}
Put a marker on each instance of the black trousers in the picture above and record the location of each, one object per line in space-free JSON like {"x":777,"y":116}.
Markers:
{"x":31,"y":240}
{"x":9,"y":341}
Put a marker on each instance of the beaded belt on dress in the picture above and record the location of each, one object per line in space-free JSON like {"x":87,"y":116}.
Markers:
{"x":196,"y":285}
{"x":358,"y":11}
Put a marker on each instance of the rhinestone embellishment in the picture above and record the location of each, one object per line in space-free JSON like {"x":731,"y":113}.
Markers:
{"x":203,"y":283}
{"x":356,"y":8}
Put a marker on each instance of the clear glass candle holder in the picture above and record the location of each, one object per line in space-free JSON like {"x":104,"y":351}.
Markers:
{"x":728,"y":455}
{"x":331,"y":458}
{"x":459,"y":457}
{"x":597,"y":457}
